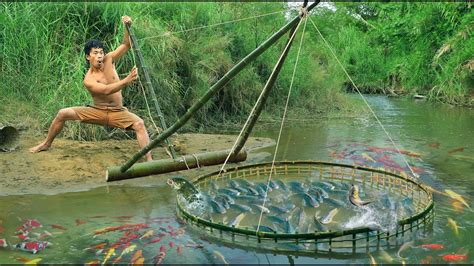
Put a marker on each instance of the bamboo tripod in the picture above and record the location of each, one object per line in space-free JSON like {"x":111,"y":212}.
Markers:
{"x":131,"y":169}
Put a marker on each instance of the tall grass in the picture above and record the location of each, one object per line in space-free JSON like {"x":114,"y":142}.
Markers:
{"x":43,"y":65}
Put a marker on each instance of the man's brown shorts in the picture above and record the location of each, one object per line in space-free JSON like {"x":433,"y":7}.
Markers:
{"x":108,"y":116}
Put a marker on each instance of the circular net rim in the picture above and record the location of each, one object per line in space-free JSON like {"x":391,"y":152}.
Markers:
{"x":422,"y":216}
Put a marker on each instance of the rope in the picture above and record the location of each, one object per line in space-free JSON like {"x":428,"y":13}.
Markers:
{"x":358,"y":91}
{"x":283,"y":120}
{"x":212,"y":25}
{"x":184,"y":159}
{"x":197,"y":161}
{"x":253,"y":109}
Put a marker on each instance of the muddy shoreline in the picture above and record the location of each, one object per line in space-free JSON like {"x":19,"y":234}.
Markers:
{"x":71,"y":166}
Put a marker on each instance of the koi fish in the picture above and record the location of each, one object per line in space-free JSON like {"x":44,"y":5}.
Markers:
{"x":127,"y":250}
{"x":456,"y":196}
{"x":137,"y":258}
{"x":368,"y":158}
{"x":454,"y":257}
{"x":33,"y":262}
{"x":98,"y":246}
{"x":3,"y":243}
{"x":454,"y":226}
{"x":404,"y":247}
{"x":354,"y":197}
{"x":385,"y":256}
{"x":171,"y":243}
{"x":93,"y":262}
{"x":179,"y":249}
{"x":22,"y":259}
{"x":154,"y":240}
{"x":432,"y":246}
{"x":218,"y":255}
{"x":148,"y":233}
{"x":458,"y":206}
{"x":160,"y":256}
{"x":372,"y":259}
{"x":194,"y":245}
{"x":434,"y":145}
{"x":33,"y":247}
{"x":427,"y":260}
{"x":57,"y":226}
{"x":33,"y":223}
{"x":79,"y":222}
{"x":460,"y":149}
{"x":109,"y":254}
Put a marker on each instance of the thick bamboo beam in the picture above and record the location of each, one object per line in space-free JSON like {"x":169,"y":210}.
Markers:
{"x":215,"y":89}
{"x":171,"y":165}
{"x":140,"y":61}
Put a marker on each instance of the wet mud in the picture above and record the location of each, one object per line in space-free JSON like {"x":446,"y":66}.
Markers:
{"x":80,"y":165}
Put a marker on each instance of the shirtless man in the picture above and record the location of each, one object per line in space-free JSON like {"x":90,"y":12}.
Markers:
{"x":105,"y":87}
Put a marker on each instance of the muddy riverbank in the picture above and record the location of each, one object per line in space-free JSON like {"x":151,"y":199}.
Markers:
{"x":80,"y":165}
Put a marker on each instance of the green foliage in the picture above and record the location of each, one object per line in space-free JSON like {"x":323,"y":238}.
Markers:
{"x":409,"y":47}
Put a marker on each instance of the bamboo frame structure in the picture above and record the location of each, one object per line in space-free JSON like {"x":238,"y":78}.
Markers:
{"x":213,"y":90}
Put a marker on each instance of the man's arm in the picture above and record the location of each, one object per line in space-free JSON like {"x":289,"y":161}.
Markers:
{"x":123,"y":48}
{"x":98,"y":88}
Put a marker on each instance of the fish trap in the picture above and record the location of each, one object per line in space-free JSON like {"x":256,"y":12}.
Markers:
{"x":386,"y":189}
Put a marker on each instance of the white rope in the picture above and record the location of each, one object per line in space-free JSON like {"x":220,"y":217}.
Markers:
{"x":254,"y":107}
{"x":184,"y":159}
{"x":372,"y":111}
{"x":212,"y":25}
{"x":197,"y":161}
{"x":282,"y":121}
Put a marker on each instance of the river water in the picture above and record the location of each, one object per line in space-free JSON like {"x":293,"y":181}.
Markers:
{"x":76,"y":223}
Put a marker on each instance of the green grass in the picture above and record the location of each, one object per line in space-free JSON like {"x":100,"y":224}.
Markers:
{"x":42,"y":63}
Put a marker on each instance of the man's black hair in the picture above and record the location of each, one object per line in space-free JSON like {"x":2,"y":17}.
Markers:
{"x":93,"y":43}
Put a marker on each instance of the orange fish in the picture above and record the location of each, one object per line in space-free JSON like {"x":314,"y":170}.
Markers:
{"x":434,"y":145}
{"x":460,"y":149}
{"x":454,"y":257}
{"x":137,"y":258}
{"x":432,"y":246}
{"x":457,"y":205}
{"x":79,"y":222}
{"x":93,"y":262}
{"x":427,"y":260}
{"x":22,"y":259}
{"x":57,"y":226}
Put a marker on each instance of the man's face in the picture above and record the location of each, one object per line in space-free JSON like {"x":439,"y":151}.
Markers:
{"x":96,"y":57}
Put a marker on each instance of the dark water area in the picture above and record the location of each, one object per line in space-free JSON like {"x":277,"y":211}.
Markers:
{"x":436,"y":140}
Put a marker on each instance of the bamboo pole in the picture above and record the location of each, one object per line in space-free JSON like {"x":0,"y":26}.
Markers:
{"x":171,"y":165}
{"x":140,"y":61}
{"x":265,"y":93}
{"x":214,"y":89}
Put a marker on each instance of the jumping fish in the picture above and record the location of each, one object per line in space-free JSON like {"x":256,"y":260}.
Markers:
{"x":330,"y":216}
{"x":185,"y":188}
{"x":354,"y":197}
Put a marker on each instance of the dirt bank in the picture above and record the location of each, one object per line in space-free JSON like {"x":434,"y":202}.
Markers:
{"x":80,"y":165}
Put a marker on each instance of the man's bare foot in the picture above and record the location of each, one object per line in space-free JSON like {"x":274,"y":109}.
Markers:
{"x":41,"y":147}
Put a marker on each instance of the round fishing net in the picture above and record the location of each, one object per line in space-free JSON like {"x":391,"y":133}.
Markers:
{"x":306,"y":206}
